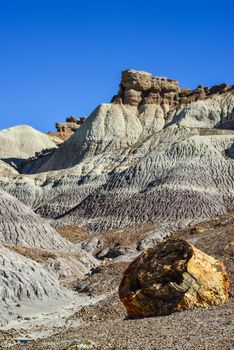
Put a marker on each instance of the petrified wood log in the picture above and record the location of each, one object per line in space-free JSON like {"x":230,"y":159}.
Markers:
{"x":172,"y":276}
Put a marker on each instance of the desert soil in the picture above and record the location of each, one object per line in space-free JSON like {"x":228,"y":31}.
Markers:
{"x":101,"y":318}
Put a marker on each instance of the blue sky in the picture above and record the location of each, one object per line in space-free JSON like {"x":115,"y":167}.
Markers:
{"x":60,"y":58}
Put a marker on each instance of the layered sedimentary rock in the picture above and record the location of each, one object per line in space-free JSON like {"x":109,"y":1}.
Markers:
{"x":23,"y":280}
{"x":145,"y":157}
{"x":180,"y":174}
{"x":143,"y":88}
{"x":171,"y":277}
{"x":144,"y":105}
{"x":64,"y":130}
{"x":21,"y":226}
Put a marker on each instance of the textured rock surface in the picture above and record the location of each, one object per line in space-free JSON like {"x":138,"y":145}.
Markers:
{"x":161,"y":155}
{"x":66,"y":129}
{"x":143,"y":106}
{"x":217,"y":111}
{"x":165,"y":181}
{"x":32,"y":276}
{"x":171,"y":277}
{"x":6,"y":169}
{"x":165,"y":91}
{"x":23,"y":142}
{"x":23,"y":280}
{"x":177,"y":174}
{"x":21,"y":226}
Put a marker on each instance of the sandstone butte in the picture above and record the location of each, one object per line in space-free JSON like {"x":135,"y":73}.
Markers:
{"x":172,"y":276}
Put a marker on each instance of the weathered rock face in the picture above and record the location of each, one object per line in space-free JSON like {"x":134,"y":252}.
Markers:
{"x":136,"y":80}
{"x":171,"y":277}
{"x":138,"y":87}
{"x":66,"y":129}
{"x":149,"y":156}
{"x":21,"y":226}
{"x":6,"y":169}
{"x":22,"y":279}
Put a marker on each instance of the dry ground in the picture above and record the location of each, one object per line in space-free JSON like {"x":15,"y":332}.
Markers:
{"x":105,"y":322}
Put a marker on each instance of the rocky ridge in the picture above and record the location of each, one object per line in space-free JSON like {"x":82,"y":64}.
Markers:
{"x":138,"y":88}
{"x":131,"y":163}
{"x":22,"y":142}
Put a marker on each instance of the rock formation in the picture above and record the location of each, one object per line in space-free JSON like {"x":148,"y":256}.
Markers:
{"x":145,"y":157}
{"x":144,"y":105}
{"x":21,"y":226}
{"x":171,"y":277}
{"x":143,"y":88}
{"x":164,"y":181}
{"x":157,"y":156}
{"x":23,"y":142}
{"x":67,"y":129}
{"x":23,"y":280}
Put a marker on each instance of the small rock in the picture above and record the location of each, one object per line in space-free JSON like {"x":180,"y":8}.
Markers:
{"x":80,"y":344}
{"x":229,"y":248}
{"x":197,"y":229}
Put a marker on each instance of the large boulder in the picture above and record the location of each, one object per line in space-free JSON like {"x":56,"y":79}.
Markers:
{"x":132,"y":97}
{"x":137,"y":80}
{"x":170,"y":277}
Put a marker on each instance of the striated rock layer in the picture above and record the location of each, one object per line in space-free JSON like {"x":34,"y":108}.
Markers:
{"x":23,"y":280}
{"x":144,"y":106}
{"x":19,"y":225}
{"x":151,"y":160}
{"x":32,"y":276}
{"x":171,"y":277}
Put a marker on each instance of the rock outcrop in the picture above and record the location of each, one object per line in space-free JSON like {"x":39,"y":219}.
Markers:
{"x":171,"y":277}
{"x":64,"y":130}
{"x":32,"y":276}
{"x":143,"y":88}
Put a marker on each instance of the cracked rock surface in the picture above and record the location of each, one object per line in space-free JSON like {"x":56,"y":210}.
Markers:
{"x":171,"y":277}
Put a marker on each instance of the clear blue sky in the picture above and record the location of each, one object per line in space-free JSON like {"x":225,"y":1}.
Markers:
{"x":61,"y":58}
